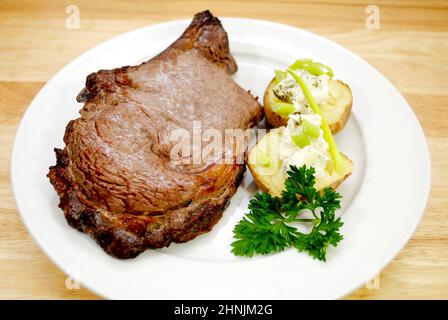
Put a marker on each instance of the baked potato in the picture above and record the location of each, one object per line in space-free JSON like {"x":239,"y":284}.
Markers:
{"x":337,"y":109}
{"x":265,"y":165}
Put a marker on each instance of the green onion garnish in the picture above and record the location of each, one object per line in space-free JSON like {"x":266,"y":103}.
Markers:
{"x":301,"y":139}
{"x":315,"y":68}
{"x":333,"y":149}
{"x":280,"y":75}
{"x":283,"y":108}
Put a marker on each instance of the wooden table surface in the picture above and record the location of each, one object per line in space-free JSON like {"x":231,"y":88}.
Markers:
{"x":409,"y":48}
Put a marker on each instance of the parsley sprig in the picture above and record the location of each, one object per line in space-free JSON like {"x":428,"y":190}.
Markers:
{"x":267,"y":227}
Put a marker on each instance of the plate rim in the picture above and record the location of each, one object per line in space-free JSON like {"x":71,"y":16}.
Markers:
{"x":165,"y":24}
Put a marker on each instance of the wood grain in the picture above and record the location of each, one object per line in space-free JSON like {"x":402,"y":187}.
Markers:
{"x":410,"y":49}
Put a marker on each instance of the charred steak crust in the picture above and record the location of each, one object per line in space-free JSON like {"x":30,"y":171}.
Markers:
{"x":113,"y":177}
{"x":126,"y":236}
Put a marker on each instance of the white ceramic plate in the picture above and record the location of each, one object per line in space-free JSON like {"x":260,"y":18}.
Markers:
{"x":383,"y":200}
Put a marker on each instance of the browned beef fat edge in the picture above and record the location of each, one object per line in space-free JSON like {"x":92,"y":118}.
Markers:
{"x":114,"y":176}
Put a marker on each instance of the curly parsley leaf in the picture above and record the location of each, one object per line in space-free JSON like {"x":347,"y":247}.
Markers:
{"x":266,"y":228}
{"x":262,"y":231}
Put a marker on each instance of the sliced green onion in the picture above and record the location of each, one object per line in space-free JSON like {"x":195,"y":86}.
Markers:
{"x":310,"y":129}
{"x":280,"y":75}
{"x":333,"y":149}
{"x":263,"y":158}
{"x":301,"y":139}
{"x":324,"y":69}
{"x":283,"y":108}
{"x":299,"y":64}
{"x":315,"y":68}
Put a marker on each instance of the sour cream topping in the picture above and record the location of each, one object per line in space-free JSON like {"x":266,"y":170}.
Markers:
{"x":289,"y":90}
{"x":315,"y":154}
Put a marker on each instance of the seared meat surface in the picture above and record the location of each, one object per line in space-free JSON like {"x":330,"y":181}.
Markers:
{"x":115,"y":177}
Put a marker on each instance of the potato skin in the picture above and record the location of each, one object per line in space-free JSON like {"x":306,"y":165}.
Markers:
{"x":261,"y":184}
{"x":275,"y":120}
{"x":266,"y":185}
{"x":341,"y":179}
{"x":335,"y":127}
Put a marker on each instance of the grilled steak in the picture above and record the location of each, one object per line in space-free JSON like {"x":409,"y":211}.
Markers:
{"x":115,"y":177}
